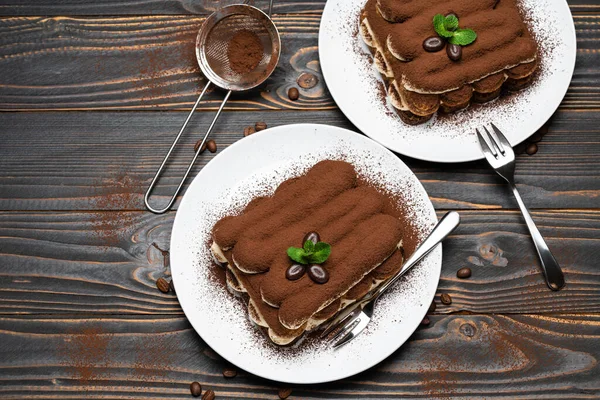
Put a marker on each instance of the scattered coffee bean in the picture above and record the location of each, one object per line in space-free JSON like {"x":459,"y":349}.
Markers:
{"x":208,"y":395}
{"x":163,"y":285}
{"x":520,"y":148}
{"x":425,"y":321}
{"x":432,"y":307}
{"x":312,"y":236}
{"x":229,"y":372}
{"x":454,"y":51}
{"x":211,"y":145}
{"x":197,"y":146}
{"x":536,"y":137}
{"x":446,"y":299}
{"x":532,"y":148}
{"x":284,"y":393}
{"x":295,"y":272}
{"x":195,"y":389}
{"x":260,"y":126}
{"x":307,"y":81}
{"x":293,"y":94}
{"x":249,"y":130}
{"x":172,"y":286}
{"x":318,"y":274}
{"x":433,"y":44}
{"x":463,"y":273}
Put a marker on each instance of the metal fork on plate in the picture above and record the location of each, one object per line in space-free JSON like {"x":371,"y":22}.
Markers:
{"x":499,"y":153}
{"x":355,"y":318}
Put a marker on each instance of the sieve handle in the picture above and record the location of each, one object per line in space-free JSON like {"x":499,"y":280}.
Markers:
{"x":162,"y":165}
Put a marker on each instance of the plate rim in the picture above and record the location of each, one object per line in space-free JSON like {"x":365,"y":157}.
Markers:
{"x":564,"y":86}
{"x":270,"y":131}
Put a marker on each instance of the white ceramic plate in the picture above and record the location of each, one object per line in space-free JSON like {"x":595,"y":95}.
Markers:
{"x":353,"y":83}
{"x":253,"y":166}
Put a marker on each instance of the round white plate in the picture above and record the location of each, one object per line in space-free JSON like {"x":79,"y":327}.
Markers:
{"x":254,"y":166}
{"x":354,"y":85}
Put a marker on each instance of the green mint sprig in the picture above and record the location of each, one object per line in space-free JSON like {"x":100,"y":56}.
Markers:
{"x":447,"y":27}
{"x":311,"y":253}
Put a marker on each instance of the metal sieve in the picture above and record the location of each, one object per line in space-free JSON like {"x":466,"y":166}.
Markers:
{"x":212,"y":44}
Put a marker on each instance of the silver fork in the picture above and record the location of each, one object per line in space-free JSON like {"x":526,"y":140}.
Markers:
{"x":354,"y":319}
{"x":500,"y":155}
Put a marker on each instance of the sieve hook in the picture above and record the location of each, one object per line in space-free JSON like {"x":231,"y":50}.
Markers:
{"x":189,"y":117}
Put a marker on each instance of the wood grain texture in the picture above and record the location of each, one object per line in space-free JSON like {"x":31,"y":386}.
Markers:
{"x":148,"y":63}
{"x":461,"y":356}
{"x":92,"y":161}
{"x":105,"y":263}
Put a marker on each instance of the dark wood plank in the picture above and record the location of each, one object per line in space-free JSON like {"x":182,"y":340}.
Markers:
{"x":148,"y":63}
{"x":145,"y":7}
{"x":460,"y":356}
{"x":91,"y":161}
{"x":105,"y":263}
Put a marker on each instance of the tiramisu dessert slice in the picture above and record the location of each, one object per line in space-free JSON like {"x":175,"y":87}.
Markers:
{"x":441,"y":55}
{"x":319,"y":243}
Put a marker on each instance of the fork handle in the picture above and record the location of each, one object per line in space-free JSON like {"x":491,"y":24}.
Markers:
{"x":552,"y":272}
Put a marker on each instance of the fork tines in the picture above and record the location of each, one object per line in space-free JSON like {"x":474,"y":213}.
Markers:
{"x":497,"y":142}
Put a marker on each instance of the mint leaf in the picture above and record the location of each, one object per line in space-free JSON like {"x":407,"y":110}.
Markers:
{"x":309,"y":246}
{"x":321,"y":253}
{"x":463,"y":37}
{"x":439,"y":24}
{"x":451,"y":22}
{"x":298,"y":255}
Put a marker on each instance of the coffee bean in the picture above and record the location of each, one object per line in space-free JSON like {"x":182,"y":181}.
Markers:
{"x":307,"y":81}
{"x":446,"y":299}
{"x":229,"y":373}
{"x":195,"y":389}
{"x":249,"y":130}
{"x":260,"y":126}
{"x":432,"y":307}
{"x":172,"y":286}
{"x":318,"y":274}
{"x":520,"y":148}
{"x":536,"y":137}
{"x":463,"y":273}
{"x":532,"y":148}
{"x":312,"y":236}
{"x":293,"y":94}
{"x":425,"y":321}
{"x":211,"y":145}
{"x":454,"y":51}
{"x":209,"y":395}
{"x":433,"y":44}
{"x":284,"y":393}
{"x":197,"y":146}
{"x":163,"y":285}
{"x":295,"y":272}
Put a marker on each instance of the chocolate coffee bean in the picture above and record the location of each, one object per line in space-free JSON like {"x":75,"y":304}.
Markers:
{"x":532,"y":148}
{"x":209,"y":395}
{"x":520,"y":148}
{"x":284,"y":393}
{"x":211,"y":145}
{"x":426,"y":321}
{"x":463,"y":273}
{"x":249,"y":130}
{"x":307,"y":80}
{"x":312,"y":236}
{"x":433,"y":44}
{"x":295,"y":272}
{"x":318,"y":274}
{"x":293,"y":94}
{"x":260,"y":126}
{"x":195,"y":389}
{"x":163,"y":285}
{"x":229,"y":373}
{"x":454,"y":52}
{"x":197,"y":146}
{"x":446,"y":299}
{"x":432,"y":307}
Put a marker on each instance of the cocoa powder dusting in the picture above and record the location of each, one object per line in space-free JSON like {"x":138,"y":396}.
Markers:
{"x":244,"y":51}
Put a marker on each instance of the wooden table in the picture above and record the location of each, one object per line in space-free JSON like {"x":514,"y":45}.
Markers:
{"x":92,"y":93}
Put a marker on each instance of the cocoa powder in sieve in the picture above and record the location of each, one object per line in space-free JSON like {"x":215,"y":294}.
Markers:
{"x":244,"y":51}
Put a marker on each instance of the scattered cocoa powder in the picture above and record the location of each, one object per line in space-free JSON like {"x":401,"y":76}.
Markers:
{"x":244,"y":51}
{"x":86,"y":353}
